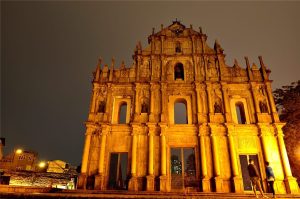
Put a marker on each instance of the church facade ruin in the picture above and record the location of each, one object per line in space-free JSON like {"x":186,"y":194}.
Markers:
{"x":136,"y":139}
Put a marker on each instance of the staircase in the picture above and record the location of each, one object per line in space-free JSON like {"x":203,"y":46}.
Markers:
{"x":72,"y":194}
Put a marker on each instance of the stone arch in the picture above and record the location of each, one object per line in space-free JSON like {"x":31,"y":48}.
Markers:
{"x":240,"y":113}
{"x":119,"y":109}
{"x":239,"y":110}
{"x":180,"y":111}
{"x":186,"y":102}
{"x":122,"y":116}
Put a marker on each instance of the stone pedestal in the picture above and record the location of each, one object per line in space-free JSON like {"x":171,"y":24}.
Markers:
{"x":81,"y":181}
{"x":133,"y":184}
{"x":219,"y":184}
{"x":99,"y":182}
{"x":163,"y":183}
{"x":150,"y":182}
{"x":291,"y":185}
{"x":206,"y":185}
{"x":238,"y":184}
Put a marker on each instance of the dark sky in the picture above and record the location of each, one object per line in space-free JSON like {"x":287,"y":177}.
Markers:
{"x":49,"y":50}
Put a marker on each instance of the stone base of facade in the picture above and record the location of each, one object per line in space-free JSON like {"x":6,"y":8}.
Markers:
{"x":133,"y":184}
{"x":163,"y":183}
{"x":150,"y":183}
{"x":81,"y":181}
{"x":206,"y":185}
{"x":291,"y":185}
{"x":99,"y":182}
{"x":238,"y":185}
{"x":219,"y":184}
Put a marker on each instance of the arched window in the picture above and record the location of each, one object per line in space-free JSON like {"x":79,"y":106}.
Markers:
{"x":122,"y":113}
{"x":179,"y":71}
{"x":180,"y":112}
{"x":240,"y":112}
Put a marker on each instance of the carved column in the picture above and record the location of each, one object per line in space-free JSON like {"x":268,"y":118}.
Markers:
{"x":226,"y":102}
{"x":201,"y":103}
{"x":137,"y":110}
{"x":85,"y":156}
{"x":290,"y":182}
{"x":163,"y":161}
{"x":99,"y":179}
{"x":203,"y":134}
{"x":237,"y":180}
{"x":133,"y":182}
{"x":209,"y":98}
{"x":109,"y":104}
{"x":164,"y":103}
{"x":154,"y":102}
{"x":150,"y":177}
{"x":272,"y":103}
{"x":216,"y":158}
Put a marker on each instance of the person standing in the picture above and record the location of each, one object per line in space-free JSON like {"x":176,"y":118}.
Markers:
{"x":255,"y":178}
{"x":270,"y":178}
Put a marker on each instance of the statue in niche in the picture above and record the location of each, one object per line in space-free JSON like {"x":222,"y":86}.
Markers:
{"x":261,"y":90}
{"x":218,"y":108}
{"x":145,"y":108}
{"x":263,"y":106}
{"x":145,"y":104}
{"x":101,"y":107}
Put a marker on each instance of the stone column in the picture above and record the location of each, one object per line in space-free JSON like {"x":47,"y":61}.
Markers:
{"x":109,"y":104}
{"x":85,"y":156}
{"x":290,"y":182}
{"x":164,"y":103}
{"x":150,"y":176}
{"x":99,"y":179}
{"x":216,"y":158}
{"x":254,"y":97}
{"x":272,"y":103}
{"x":237,"y":180}
{"x":201,"y":103}
{"x":133,"y":182}
{"x":163,"y":161}
{"x":154,"y":102}
{"x":226,"y":103}
{"x":203,"y":132}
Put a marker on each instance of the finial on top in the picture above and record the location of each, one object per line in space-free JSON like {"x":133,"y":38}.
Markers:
{"x":162,"y":26}
{"x":247,"y":62}
{"x":200,"y":29}
{"x":99,"y":61}
{"x":191,"y":26}
{"x":112,"y":61}
{"x":123,"y":64}
{"x":261,"y":61}
{"x":153,"y":31}
{"x":236,"y":64}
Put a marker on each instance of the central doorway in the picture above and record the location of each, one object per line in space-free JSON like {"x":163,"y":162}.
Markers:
{"x":118,"y":170}
{"x":244,"y":161}
{"x":183,"y":168}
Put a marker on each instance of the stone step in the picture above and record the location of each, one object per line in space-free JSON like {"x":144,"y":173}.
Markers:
{"x":72,"y":194}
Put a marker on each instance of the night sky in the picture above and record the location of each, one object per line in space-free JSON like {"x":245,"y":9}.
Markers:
{"x":50,"y":49}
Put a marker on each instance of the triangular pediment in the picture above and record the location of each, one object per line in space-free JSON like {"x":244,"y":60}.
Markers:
{"x":176,"y":27}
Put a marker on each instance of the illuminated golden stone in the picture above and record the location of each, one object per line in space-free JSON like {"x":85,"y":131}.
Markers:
{"x":229,"y":116}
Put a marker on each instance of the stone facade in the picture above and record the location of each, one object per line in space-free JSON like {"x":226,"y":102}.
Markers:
{"x":230,"y":117}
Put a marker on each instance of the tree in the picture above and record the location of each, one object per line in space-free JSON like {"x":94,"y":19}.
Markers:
{"x":287,"y":100}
